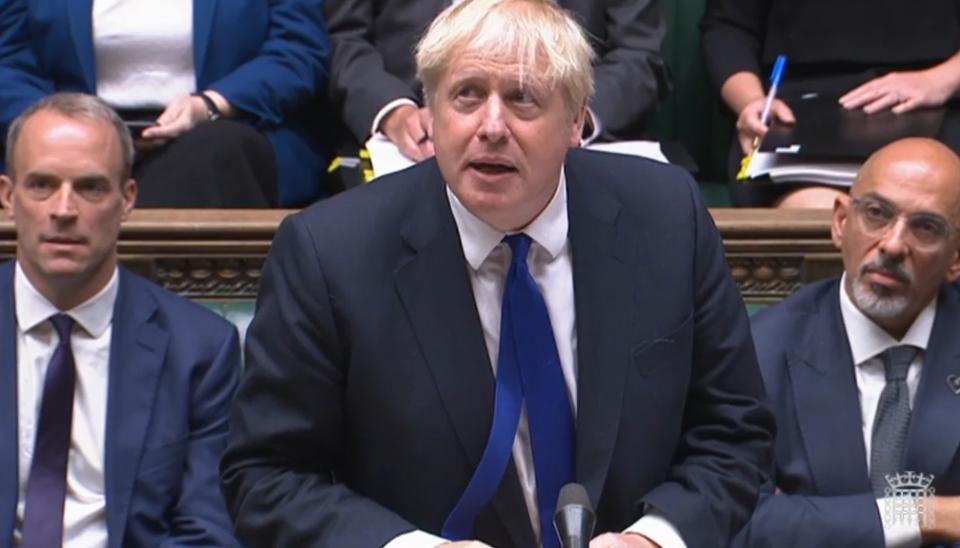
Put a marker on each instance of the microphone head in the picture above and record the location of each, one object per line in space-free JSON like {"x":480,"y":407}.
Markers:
{"x":574,"y":518}
{"x":573,"y":493}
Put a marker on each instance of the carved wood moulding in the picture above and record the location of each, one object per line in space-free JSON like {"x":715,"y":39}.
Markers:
{"x":771,"y":253}
{"x":219,"y":254}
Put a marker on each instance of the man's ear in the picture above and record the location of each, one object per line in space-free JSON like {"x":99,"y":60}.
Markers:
{"x":953,"y":273}
{"x":6,"y":194}
{"x":576,"y":136}
{"x":128,"y":191}
{"x":841,"y":214}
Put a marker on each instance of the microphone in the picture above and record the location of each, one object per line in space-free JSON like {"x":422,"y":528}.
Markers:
{"x":574,"y":518}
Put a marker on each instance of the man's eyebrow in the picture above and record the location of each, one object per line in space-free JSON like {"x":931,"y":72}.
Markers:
{"x":921,"y":213}
{"x":91,"y":179}
{"x":39,"y":177}
{"x":872,"y":195}
{"x":44,"y":176}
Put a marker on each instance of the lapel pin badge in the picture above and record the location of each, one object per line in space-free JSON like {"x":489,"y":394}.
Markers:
{"x":954,"y":382}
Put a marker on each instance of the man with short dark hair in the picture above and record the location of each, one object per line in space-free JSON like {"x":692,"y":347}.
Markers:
{"x":114,"y":393}
{"x":863,"y":372}
{"x":435,"y":355}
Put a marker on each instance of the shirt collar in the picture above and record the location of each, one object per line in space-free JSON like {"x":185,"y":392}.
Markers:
{"x":32,"y":308}
{"x":867,"y":339}
{"x":548,"y":229}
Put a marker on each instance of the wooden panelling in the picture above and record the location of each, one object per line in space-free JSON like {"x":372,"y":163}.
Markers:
{"x":772,"y":252}
{"x":218,"y":254}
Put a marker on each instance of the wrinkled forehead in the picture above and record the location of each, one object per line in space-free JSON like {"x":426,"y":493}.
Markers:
{"x":513,"y":69}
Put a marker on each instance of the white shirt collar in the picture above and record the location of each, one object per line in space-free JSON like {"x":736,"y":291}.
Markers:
{"x":867,"y":339}
{"x":549,"y":229}
{"x":32,"y":308}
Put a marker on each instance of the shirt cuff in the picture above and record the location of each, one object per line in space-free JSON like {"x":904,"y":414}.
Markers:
{"x":416,"y":539}
{"x":655,"y":527}
{"x":901,"y":522}
{"x":387,"y":109}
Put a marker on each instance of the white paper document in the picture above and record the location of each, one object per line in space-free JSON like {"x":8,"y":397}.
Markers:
{"x":386,"y":158}
{"x":646,"y":149}
{"x":790,"y":168}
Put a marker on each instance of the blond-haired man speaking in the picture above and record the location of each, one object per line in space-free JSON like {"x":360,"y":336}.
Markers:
{"x":434,"y":356}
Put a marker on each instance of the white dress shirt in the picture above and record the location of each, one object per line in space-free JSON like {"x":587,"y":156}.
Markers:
{"x":84,"y":511}
{"x":867,"y":341}
{"x":143,"y":51}
{"x":488,"y":260}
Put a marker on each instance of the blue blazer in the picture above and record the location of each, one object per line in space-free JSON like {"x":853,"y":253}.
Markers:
{"x":820,"y":461}
{"x":368,"y":394}
{"x":173,"y":370}
{"x":267,"y":57}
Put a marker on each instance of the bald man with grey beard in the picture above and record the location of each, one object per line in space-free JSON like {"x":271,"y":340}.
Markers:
{"x":863,"y":371}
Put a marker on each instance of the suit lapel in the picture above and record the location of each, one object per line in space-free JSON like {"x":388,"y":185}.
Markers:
{"x":81,"y":27}
{"x":137,"y":349}
{"x":827,"y":403}
{"x":9,"y":472}
{"x":603,"y":282}
{"x":434,"y":287}
{"x":203,"y":12}
{"x":932,"y":442}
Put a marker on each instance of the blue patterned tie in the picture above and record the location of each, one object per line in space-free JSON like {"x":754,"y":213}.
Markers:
{"x":889,"y":440}
{"x":46,"y":486}
{"x":528,"y":368}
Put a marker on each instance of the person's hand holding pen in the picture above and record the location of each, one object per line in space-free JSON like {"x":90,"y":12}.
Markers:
{"x":409,"y":128}
{"x":755,"y":113}
{"x":751,"y":125}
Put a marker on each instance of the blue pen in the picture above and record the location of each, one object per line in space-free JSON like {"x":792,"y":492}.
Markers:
{"x":775,"y":78}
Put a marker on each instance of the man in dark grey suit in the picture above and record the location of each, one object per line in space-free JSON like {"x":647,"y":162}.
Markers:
{"x":435,"y":354}
{"x":373,"y":83}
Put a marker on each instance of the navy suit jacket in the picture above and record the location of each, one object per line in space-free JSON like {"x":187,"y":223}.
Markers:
{"x":267,"y":57}
{"x":368,"y":394}
{"x":373,"y":62}
{"x":820,"y":460}
{"x":173,"y":370}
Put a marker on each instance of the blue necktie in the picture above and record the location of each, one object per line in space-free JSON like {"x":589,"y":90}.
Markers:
{"x":47,"y":484}
{"x":528,"y":368}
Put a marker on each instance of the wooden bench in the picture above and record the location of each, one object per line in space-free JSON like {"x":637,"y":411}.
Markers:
{"x":217,"y":255}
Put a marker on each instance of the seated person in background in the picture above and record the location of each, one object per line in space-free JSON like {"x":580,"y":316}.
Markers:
{"x":863,"y":371}
{"x":114,"y":394}
{"x":381,"y":403}
{"x":257,"y":65}
{"x":907,"y":58}
{"x":374,"y":87}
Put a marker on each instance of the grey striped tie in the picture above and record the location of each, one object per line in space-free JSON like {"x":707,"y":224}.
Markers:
{"x":889,"y":441}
